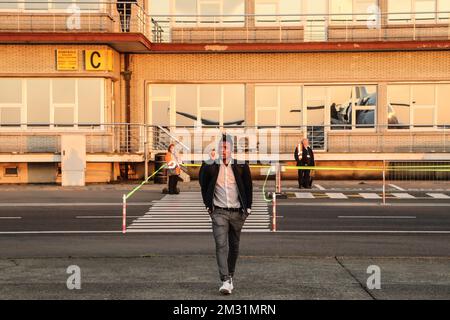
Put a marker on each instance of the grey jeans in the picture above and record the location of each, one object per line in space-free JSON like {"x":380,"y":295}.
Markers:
{"x":227,"y":226}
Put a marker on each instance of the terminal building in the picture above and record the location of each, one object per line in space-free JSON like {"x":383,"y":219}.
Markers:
{"x":92,"y":91}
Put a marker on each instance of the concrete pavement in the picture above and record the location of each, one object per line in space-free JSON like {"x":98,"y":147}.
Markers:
{"x":195,"y":277}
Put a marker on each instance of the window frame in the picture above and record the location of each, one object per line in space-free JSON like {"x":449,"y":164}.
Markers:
{"x":51,"y":127}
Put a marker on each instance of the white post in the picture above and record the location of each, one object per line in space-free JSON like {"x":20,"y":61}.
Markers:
{"x":124,"y":214}
{"x":274,"y":212}
{"x":384,"y":182}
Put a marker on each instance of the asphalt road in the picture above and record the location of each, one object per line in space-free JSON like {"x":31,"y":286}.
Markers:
{"x":321,"y":250}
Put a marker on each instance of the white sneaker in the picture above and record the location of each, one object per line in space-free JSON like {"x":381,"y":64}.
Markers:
{"x":232,"y":286}
{"x":226,"y":288}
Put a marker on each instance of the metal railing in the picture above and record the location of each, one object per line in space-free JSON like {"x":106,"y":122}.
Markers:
{"x":79,"y":16}
{"x":338,"y":27}
{"x":122,"y":138}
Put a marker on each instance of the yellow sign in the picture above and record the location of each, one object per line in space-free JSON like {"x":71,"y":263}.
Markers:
{"x":98,"y":60}
{"x":66,"y":60}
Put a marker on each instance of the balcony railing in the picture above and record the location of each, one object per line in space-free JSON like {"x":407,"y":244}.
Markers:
{"x":251,"y":28}
{"x":139,"y":139}
{"x":79,"y":16}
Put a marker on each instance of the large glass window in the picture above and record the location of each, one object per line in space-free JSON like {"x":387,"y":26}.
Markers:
{"x":60,"y":5}
{"x":278,"y":105}
{"x":203,"y":104}
{"x":407,"y":11}
{"x":275,"y":12}
{"x":417,"y":106}
{"x":207,"y":13}
{"x":44,"y":102}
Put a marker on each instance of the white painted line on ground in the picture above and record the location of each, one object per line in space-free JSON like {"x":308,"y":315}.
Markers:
{"x":104,"y":217}
{"x":304,"y":195}
{"x":403,"y":195}
{"x":377,"y":217}
{"x":363,"y":204}
{"x":438,"y":195}
{"x":396,"y":187}
{"x":318,"y":186}
{"x":370,"y":195}
{"x":10,"y":218}
{"x":335,"y":195}
{"x":365,"y":231}
{"x":73,"y":204}
{"x":56,"y":232}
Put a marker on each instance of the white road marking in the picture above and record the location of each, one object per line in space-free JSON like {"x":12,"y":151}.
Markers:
{"x":366,"y":231}
{"x":72,"y":204}
{"x":377,"y":217}
{"x":403,"y":195}
{"x":335,"y":195}
{"x":396,"y":187}
{"x":187,"y":213}
{"x":318,"y":186}
{"x":369,"y":195}
{"x":304,"y":195}
{"x":10,"y":218}
{"x":438,"y":195}
{"x":104,"y":217}
{"x":365,"y":204}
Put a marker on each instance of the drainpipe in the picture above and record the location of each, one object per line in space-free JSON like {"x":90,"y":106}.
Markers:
{"x":127,"y":77}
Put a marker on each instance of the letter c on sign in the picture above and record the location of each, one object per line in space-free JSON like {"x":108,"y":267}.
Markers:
{"x":93,"y":64}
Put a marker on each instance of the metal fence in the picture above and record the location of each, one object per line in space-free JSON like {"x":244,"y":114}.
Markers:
{"x":79,"y":16}
{"x":140,"y":139}
{"x":338,"y":27}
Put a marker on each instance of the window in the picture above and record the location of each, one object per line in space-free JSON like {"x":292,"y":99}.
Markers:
{"x":341,"y":10}
{"x":425,"y":10}
{"x":400,"y":11}
{"x":89,"y":100}
{"x":275,"y":12}
{"x":207,"y":13}
{"x":407,"y":11}
{"x":38,"y":101}
{"x":43,"y":101}
{"x":443,"y":105}
{"x":191,"y":104}
{"x":54,"y":5}
{"x":186,"y":105}
{"x":418,"y":106}
{"x":11,"y":103}
{"x":11,"y":171}
{"x":278,"y":105}
{"x":8,"y":5}
{"x":344,"y":11}
{"x":443,"y":10}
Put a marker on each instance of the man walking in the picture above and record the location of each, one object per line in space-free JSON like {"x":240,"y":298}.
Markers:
{"x":227,"y":194}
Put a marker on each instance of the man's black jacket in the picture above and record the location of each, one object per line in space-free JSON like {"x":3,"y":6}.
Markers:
{"x":208,"y":178}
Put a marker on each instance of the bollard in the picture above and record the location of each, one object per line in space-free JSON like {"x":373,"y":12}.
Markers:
{"x":274,"y":211}
{"x":124,"y":214}
{"x":384,"y":182}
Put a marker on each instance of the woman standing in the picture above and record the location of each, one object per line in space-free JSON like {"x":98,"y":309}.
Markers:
{"x":173,"y":168}
{"x":304,"y":156}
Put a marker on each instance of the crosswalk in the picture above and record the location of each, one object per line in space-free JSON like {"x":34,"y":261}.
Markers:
{"x":185,"y":212}
{"x":366,"y":195}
